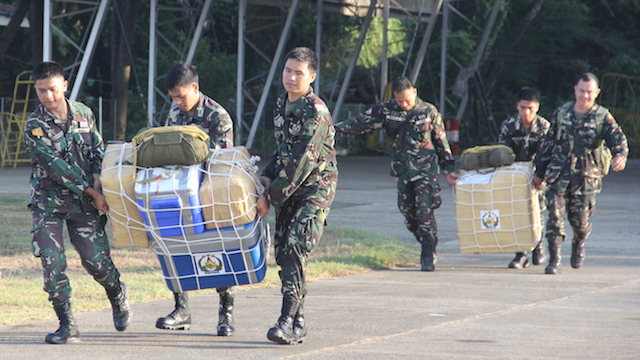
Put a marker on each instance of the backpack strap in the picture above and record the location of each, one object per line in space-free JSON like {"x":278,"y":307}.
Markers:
{"x":564,"y":109}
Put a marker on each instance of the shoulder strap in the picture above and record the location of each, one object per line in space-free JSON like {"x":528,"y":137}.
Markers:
{"x":563,"y":110}
{"x":601,"y":114}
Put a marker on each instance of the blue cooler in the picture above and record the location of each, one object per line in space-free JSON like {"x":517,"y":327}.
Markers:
{"x":215,"y":258}
{"x":170,"y":202}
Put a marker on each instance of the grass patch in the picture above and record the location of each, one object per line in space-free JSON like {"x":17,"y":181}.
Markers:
{"x":341,"y":252}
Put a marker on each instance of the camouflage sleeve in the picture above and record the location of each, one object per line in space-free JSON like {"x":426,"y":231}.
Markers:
{"x":221,"y":131}
{"x":42,"y":151}
{"x":441,"y":144}
{"x":372,"y":119}
{"x":543,"y":156}
{"x":270,"y":170}
{"x":614,"y":137}
{"x":171,"y":117}
{"x":304,"y":158}
{"x":97,"y":149}
{"x":504,"y":138}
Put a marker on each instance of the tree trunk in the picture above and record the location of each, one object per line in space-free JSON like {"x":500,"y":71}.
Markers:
{"x":10,"y":31}
{"x":36,"y":17}
{"x":123,"y":28}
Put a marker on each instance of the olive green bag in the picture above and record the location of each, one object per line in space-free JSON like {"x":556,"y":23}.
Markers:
{"x":170,"y":145}
{"x":487,"y":156}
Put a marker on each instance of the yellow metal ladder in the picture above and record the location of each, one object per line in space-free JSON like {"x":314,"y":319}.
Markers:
{"x":12,"y":123}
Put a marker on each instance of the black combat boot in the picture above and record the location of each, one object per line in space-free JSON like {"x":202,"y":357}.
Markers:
{"x":555,"y":263}
{"x":538,"y":255}
{"x":68,"y":330}
{"x":119,"y":298}
{"x":282,"y":331}
{"x":299,"y":330}
{"x":520,"y":261}
{"x":180,"y":318}
{"x":428,"y":257}
{"x":225,"y":315}
{"x":577,"y":253}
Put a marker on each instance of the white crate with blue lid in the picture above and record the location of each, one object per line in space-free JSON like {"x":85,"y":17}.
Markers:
{"x":169,"y":200}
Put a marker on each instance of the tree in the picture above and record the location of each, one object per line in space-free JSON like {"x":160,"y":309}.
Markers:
{"x":10,"y":31}
{"x":122,"y":28}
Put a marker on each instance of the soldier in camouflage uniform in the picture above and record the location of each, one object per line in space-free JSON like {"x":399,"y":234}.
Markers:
{"x":300,"y":182}
{"x":569,"y":163}
{"x":66,"y":156}
{"x":191,"y":106}
{"x":420,"y":150}
{"x":523,"y":133}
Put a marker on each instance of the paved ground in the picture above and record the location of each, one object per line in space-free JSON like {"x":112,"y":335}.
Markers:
{"x":472,"y":307}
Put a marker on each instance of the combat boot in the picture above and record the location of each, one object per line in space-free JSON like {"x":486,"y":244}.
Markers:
{"x":68,"y":330}
{"x":520,"y":261}
{"x":555,"y":260}
{"x":179,"y":318}
{"x":225,"y":315}
{"x":282,"y":331}
{"x":119,"y":298}
{"x":428,"y":257}
{"x":538,"y":255}
{"x":299,"y":330}
{"x":577,"y":253}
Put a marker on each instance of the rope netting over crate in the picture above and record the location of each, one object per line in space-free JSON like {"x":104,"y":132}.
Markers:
{"x":497,"y":210}
{"x":201,"y":220}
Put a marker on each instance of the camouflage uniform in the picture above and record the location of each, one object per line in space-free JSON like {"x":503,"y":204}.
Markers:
{"x":420,"y":149}
{"x":525,"y":143}
{"x":216,"y":122}
{"x":304,"y":175}
{"x":63,"y":161}
{"x":569,"y":166}
{"x":211,"y":117}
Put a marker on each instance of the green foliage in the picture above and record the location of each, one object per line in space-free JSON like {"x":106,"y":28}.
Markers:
{"x":372,"y":48}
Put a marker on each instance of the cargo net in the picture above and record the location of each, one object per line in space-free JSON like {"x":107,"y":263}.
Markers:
{"x":201,"y":220}
{"x":497,"y":210}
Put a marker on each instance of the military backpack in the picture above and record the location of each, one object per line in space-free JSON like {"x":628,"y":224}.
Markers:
{"x":487,"y":156}
{"x":170,"y":145}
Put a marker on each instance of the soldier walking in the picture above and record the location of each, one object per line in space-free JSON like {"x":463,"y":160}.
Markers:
{"x":191,"y":106}
{"x":523,"y":133}
{"x":66,"y":157}
{"x":569,"y":162}
{"x":300,"y":182}
{"x":420,"y":151}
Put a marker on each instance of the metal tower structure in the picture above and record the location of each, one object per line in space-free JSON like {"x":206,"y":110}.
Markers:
{"x":469,"y":74}
{"x":247,"y":107}
{"x":98,"y":12}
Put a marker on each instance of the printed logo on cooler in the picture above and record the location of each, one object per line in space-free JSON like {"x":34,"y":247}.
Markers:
{"x":209,"y":264}
{"x":490,"y":219}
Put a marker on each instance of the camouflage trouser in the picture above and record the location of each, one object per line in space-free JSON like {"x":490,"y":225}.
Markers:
{"x":87,"y":235}
{"x":417,"y":201}
{"x":299,"y":227}
{"x":579,"y":207}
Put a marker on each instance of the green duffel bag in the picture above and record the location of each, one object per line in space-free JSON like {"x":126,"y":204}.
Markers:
{"x":170,"y":145}
{"x":488,"y":156}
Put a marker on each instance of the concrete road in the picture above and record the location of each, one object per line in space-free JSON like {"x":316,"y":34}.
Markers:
{"x":471,"y":307}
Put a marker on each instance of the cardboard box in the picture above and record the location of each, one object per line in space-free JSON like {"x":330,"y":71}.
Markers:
{"x":215,"y":258}
{"x":228,"y":192}
{"x":497,"y":210}
{"x":118,"y":180}
{"x":169,"y":200}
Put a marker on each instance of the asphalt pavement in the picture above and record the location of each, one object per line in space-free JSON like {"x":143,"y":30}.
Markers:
{"x":471,"y":307}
